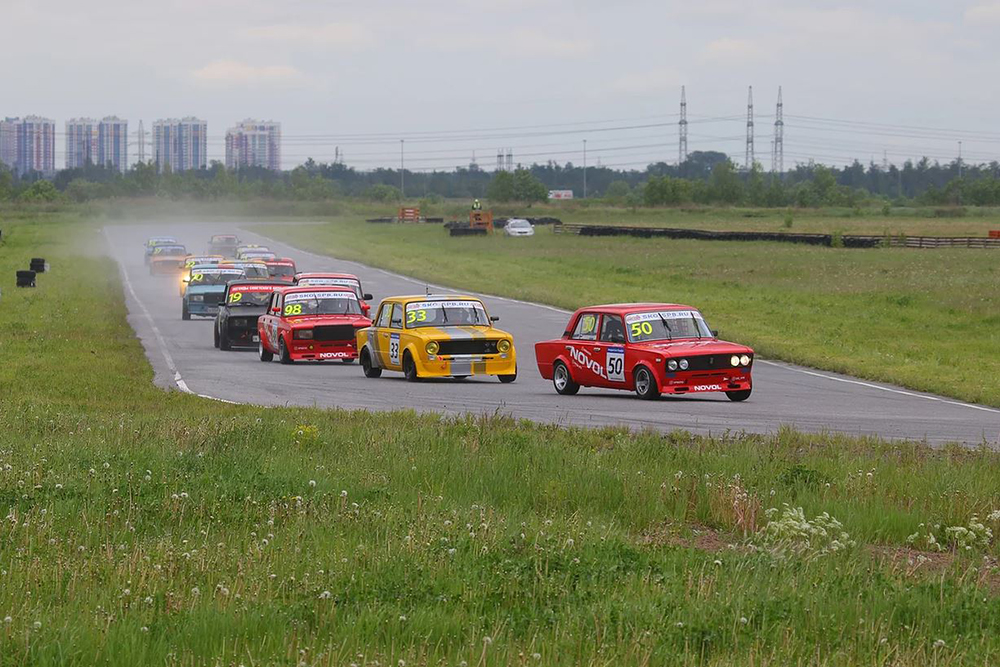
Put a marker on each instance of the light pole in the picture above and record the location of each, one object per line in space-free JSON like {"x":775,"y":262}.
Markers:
{"x":584,"y":168}
{"x":402,"y":169}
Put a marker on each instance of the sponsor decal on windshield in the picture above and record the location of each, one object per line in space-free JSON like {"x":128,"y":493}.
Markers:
{"x":309,"y":296}
{"x":252,"y":288}
{"x":428,"y":305}
{"x":665,"y":314}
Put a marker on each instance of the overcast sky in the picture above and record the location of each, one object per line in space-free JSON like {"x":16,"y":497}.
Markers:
{"x":331,"y":70}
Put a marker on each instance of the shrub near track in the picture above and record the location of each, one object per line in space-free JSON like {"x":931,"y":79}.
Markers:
{"x":143,"y":526}
{"x":929,"y":320}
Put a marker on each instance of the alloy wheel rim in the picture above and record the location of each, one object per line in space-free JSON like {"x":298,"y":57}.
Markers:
{"x":642,"y":381}
{"x":560,"y":378}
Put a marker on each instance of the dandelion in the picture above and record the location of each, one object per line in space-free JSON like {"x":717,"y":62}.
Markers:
{"x":487,"y":640}
{"x":58,"y":487}
{"x":402,"y":619}
{"x":127,"y":591}
{"x":717,"y":562}
{"x":343,"y":493}
{"x":743,"y":620}
{"x":195,"y":591}
{"x":106,"y":465}
{"x":144,"y":629}
{"x":536,"y":656}
{"x":447,"y":522}
{"x":312,"y":483}
{"x":679,"y":624}
{"x":325,"y":595}
{"x":939,"y":643}
{"x":451,"y":552}
{"x":402,"y":663}
{"x":149,"y":599}
{"x":8,"y":619}
{"x":38,"y":626}
{"x":184,"y":494}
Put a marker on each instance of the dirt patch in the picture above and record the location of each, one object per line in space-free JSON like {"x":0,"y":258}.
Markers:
{"x":694,"y":536}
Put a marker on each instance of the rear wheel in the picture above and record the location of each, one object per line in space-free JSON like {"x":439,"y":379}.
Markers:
{"x":563,"y":381}
{"x":264,"y":353}
{"x":410,"y":368}
{"x":366,"y":365}
{"x":645,"y":384}
{"x":347,"y":361}
{"x":284,"y":356}
{"x":737,"y":396}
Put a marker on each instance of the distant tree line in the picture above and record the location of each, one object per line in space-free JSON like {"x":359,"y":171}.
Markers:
{"x":706,"y":177}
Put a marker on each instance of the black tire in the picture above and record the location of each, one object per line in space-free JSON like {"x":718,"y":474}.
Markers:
{"x":185,"y":314}
{"x":738,"y":396}
{"x":224,"y":342}
{"x":645,"y":384}
{"x":366,"y":365}
{"x":563,"y":381}
{"x":264,"y":353}
{"x":347,"y":361}
{"x":410,"y":368}
{"x":507,"y":379}
{"x":215,"y":334}
{"x":284,"y":356}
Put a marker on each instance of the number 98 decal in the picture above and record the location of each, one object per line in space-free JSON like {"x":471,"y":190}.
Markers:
{"x":615,"y":364}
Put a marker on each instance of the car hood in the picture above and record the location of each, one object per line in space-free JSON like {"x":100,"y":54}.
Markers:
{"x":460,"y":333}
{"x":246,"y":311}
{"x":694,"y":347}
{"x":204,"y":289}
{"x":325,"y":320}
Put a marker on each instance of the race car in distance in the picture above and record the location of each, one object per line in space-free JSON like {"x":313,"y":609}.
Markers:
{"x":262,"y":255}
{"x":342,"y":279}
{"x":519,"y":227}
{"x":447,"y":335}
{"x":205,"y":289}
{"x":311,"y":323}
{"x":224,"y":244}
{"x":243,"y":303}
{"x":154,"y":241}
{"x":649,"y":348}
{"x":254,"y":269}
{"x":282,"y":269}
{"x":166,"y":259}
{"x":192,"y":261}
{"x":244,"y":247}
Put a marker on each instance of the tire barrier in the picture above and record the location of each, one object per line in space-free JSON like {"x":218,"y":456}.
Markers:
{"x":846,"y":241}
{"x":38,"y":265}
{"x":467,"y":231}
{"x":25,"y":279}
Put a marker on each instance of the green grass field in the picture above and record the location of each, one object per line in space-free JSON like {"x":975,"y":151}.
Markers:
{"x":151,"y":527}
{"x":929,"y":320}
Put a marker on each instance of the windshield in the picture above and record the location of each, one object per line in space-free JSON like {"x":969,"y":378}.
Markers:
{"x":342,"y":282}
{"x":666,"y":325}
{"x":223,"y":240}
{"x":249,"y":295}
{"x":321,"y":303}
{"x":213,"y":276}
{"x":445,"y":314}
{"x":191,"y":262}
{"x":252,"y":269}
{"x":281,"y":270}
{"x":518,"y":224}
{"x":171,"y":250}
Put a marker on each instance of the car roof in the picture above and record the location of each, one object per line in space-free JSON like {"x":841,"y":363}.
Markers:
{"x":216,"y":267}
{"x":324,"y":274}
{"x":251,"y":281}
{"x":433,"y":297}
{"x":281,"y":260}
{"x":286,"y":289}
{"x":172,"y":246}
{"x":625,"y":308}
{"x":224,"y":236}
{"x":162,"y":238}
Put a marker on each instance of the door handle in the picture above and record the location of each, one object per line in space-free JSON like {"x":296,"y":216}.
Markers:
{"x":597,"y":349}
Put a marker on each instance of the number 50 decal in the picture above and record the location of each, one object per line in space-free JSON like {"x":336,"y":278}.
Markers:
{"x":615,"y":364}
{"x":641,"y":329}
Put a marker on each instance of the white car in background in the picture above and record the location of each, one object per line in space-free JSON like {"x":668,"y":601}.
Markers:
{"x":519,"y":227}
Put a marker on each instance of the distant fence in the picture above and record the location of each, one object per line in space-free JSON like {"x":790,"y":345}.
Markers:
{"x":847,"y":240}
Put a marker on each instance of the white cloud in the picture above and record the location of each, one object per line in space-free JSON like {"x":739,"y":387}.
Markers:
{"x":987,"y":12}
{"x":235,"y":73}
{"x":531,"y":42}
{"x":647,"y":81}
{"x":325,"y":35}
{"x":727,"y":48}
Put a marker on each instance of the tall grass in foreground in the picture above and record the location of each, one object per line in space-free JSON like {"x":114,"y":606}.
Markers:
{"x":147,"y":527}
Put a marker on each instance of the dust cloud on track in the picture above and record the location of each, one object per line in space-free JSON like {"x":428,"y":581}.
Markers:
{"x":182,"y":354}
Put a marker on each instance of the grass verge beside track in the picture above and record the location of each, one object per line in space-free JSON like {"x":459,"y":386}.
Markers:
{"x":928,"y":320}
{"x":143,"y":526}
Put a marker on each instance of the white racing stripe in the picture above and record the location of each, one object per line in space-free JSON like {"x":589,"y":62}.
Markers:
{"x":804,"y":371}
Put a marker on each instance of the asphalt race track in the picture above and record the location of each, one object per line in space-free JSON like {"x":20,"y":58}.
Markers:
{"x":183,"y":357}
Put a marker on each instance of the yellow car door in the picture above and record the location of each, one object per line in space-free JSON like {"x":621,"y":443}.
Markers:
{"x":390,"y":339}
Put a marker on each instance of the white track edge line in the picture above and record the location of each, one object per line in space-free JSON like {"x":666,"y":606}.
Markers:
{"x":860,"y":383}
{"x":178,"y":379}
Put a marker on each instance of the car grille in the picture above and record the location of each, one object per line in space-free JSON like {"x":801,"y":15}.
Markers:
{"x":481,"y":346}
{"x":714,"y":362}
{"x":334,"y":332}
{"x":213,"y":299}
{"x":236,"y":323}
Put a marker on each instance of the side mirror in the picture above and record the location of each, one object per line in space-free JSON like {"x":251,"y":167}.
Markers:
{"x":715,"y":333}
{"x":187,"y":279}
{"x":276,"y":310}
{"x":367,"y":297}
{"x":494,"y":319}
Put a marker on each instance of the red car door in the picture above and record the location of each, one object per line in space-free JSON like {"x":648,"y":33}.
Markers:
{"x":584,"y":351}
{"x":612,"y":351}
{"x":269,"y":324}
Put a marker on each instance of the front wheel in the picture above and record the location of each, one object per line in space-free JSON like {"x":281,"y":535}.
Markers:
{"x":410,"y":368}
{"x":563,"y":381}
{"x":185,"y":313}
{"x":645,"y":384}
{"x":284,"y":356}
{"x":507,"y":379}
{"x":215,"y":335}
{"x":366,"y":365}
{"x":264,"y":353}
{"x":737,"y":396}
{"x":224,"y":342}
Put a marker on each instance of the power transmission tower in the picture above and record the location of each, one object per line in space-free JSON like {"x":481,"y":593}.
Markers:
{"x":510,"y":159}
{"x":778,"y":153}
{"x":142,"y":143}
{"x":682,"y":130}
{"x":500,"y":160}
{"x":749,"y":157}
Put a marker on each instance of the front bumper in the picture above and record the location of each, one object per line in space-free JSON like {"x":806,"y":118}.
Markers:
{"x":202,"y":308}
{"x":322,"y":350}
{"x":700,"y":382}
{"x":467,"y":364}
{"x":240,"y":336}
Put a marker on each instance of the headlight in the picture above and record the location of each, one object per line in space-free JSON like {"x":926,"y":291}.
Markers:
{"x":432,"y":348}
{"x":683,"y":364}
{"x":302,"y":334}
{"x":197,"y":297}
{"x":735,"y":361}
{"x":745,"y":360}
{"x":672,"y":365}
{"x":504,"y":346}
